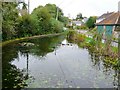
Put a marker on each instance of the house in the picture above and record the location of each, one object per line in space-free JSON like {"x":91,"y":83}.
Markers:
{"x":77,"y":23}
{"x":85,"y":19}
{"x":110,"y":25}
{"x":102,"y":17}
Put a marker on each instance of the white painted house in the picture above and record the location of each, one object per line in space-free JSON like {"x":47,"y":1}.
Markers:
{"x":85,"y":19}
{"x":77,"y":23}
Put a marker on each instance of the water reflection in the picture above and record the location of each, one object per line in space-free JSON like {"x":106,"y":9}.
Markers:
{"x":55,"y":62}
{"x":11,"y":75}
{"x":102,"y":62}
{"x":14,"y":77}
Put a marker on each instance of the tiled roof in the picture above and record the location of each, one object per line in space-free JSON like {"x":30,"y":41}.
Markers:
{"x":105,"y":15}
{"x":113,"y":19}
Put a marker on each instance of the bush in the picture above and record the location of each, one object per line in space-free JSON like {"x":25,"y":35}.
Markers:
{"x":90,"y":23}
{"x":80,"y":37}
{"x":26,"y":26}
{"x":55,"y":26}
{"x":83,"y":27}
{"x":46,"y":23}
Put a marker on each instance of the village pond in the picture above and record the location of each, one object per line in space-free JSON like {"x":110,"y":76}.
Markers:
{"x":54,"y":62}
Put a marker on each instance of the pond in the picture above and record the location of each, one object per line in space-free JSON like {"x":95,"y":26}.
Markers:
{"x":53,"y":62}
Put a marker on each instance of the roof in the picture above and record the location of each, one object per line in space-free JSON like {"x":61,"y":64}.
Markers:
{"x":112,"y":19}
{"x":105,"y":15}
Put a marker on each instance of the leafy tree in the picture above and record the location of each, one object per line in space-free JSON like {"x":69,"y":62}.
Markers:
{"x":41,"y":21}
{"x":56,"y":26}
{"x":64,"y":20}
{"x":43,"y":17}
{"x":26,"y":26}
{"x":10,"y":15}
{"x":46,"y":19}
{"x":52,"y":8}
{"x":90,"y":22}
{"x":79,"y":16}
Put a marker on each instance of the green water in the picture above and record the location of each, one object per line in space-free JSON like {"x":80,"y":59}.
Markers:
{"x":53,"y":62}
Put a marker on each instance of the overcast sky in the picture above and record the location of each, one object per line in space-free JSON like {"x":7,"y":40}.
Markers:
{"x":86,"y":7}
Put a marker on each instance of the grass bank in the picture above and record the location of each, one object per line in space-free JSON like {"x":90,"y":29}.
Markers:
{"x":31,"y":37}
{"x":97,"y":49}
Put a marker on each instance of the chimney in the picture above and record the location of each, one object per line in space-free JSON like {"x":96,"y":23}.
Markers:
{"x":119,"y":6}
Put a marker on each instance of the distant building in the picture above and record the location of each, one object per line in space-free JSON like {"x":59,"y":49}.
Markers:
{"x":70,"y":23}
{"x":85,"y":19}
{"x":77,"y":23}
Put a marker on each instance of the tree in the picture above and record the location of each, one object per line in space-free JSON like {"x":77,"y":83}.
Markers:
{"x":41,"y":21}
{"x":65,"y":20}
{"x":91,"y":22}
{"x":46,"y":19}
{"x":43,"y":16}
{"x":56,"y":26}
{"x":79,"y":16}
{"x":52,"y":8}
{"x":27,"y":26}
{"x":10,"y":15}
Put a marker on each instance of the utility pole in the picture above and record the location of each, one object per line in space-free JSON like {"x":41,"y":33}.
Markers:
{"x":57,"y":13}
{"x":28,"y":6}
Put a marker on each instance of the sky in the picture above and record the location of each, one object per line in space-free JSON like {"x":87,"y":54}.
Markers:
{"x":87,"y":7}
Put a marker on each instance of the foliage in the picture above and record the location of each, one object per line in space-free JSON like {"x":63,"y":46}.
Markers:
{"x":46,"y":23}
{"x":92,"y":44}
{"x":56,"y":26}
{"x":64,"y":20}
{"x":10,"y":15}
{"x":72,"y":35}
{"x":12,"y":77}
{"x":40,"y":21}
{"x":43,"y":17}
{"x":79,"y":16}
{"x":91,"y":22}
{"x":52,"y":9}
{"x":83,"y":27}
{"x":80,"y":37}
{"x":26,"y":26}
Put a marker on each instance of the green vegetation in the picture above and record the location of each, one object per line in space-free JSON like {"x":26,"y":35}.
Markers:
{"x":95,"y":47}
{"x":24,"y":38}
{"x":79,"y":16}
{"x":12,"y":76}
{"x":10,"y":15}
{"x":18,"y":23}
{"x":83,"y":27}
{"x":74,"y":36}
{"x":91,"y":22}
